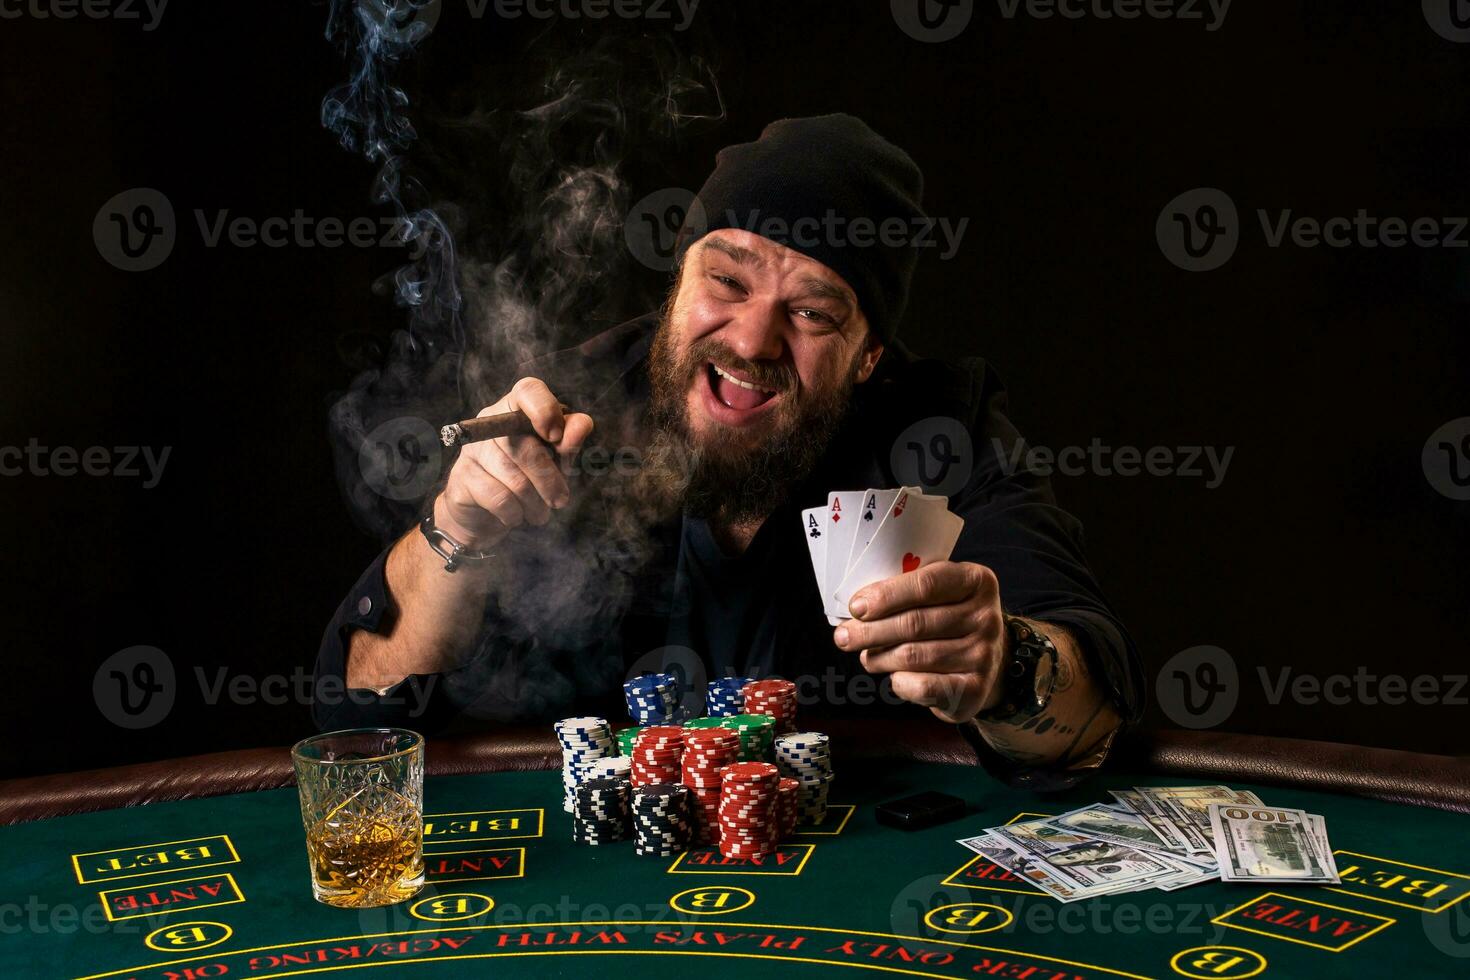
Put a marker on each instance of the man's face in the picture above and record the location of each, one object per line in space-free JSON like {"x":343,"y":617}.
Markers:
{"x":753,"y":366}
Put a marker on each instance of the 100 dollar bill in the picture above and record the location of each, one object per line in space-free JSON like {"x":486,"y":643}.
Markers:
{"x":1259,"y":843}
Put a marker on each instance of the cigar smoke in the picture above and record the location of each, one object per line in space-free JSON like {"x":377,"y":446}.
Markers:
{"x":523,"y":253}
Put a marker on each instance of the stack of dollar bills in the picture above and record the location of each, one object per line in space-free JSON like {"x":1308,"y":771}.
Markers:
{"x":1164,"y":837}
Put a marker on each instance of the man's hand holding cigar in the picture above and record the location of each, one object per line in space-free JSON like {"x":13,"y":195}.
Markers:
{"x":495,"y":485}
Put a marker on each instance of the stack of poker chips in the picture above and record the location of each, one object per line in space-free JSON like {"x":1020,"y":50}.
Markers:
{"x":707,"y":751}
{"x":748,"y":792}
{"x":788,"y":794}
{"x":660,"y":819}
{"x":723,"y":697}
{"x":756,"y":734}
{"x":658,"y":756}
{"x":773,"y":697}
{"x":653,"y":699}
{"x":627,"y":738}
{"x":601,"y":812}
{"x":806,"y":757}
{"x":583,"y":742}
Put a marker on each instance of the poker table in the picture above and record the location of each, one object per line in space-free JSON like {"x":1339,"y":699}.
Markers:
{"x":196,"y":868}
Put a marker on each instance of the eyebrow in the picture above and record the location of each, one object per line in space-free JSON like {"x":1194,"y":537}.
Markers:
{"x":743,"y":256}
{"x":822,"y":289}
{"x":817,"y":288}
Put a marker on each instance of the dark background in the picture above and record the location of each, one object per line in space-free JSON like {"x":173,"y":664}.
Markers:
{"x":1325,"y":549}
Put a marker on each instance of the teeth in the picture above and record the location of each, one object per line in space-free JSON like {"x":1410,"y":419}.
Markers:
{"x":737,"y":381}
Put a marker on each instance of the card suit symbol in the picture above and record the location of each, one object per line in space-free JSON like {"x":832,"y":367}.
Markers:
{"x":867,"y":515}
{"x":816,"y":533}
{"x":836,"y":516}
{"x":910,"y":561}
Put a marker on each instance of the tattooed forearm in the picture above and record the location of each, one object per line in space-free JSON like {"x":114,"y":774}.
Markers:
{"x":1077,"y":725}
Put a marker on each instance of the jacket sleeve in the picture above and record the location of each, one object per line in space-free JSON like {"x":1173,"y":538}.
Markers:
{"x":1014,"y":526}
{"x":415,"y":702}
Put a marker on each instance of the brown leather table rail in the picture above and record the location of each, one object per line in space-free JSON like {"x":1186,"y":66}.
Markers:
{"x":1384,"y":774}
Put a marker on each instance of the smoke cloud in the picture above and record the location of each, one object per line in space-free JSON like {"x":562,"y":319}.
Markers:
{"x":522,"y":252}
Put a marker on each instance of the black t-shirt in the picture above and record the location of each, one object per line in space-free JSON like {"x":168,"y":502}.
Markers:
{"x":578,"y":607}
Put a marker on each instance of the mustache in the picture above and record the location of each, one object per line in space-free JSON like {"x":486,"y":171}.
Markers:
{"x":771,"y":375}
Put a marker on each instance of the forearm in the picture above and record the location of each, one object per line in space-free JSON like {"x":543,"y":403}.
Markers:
{"x":1078,"y":723}
{"x":434,"y":617}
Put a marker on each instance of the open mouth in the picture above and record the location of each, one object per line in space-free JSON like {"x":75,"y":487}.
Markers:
{"x":734,"y":392}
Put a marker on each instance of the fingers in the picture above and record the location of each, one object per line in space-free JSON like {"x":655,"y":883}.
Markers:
{"x":516,"y":478}
{"x":535,"y":460}
{"x":952,"y":697}
{"x":933,"y":584}
{"x":530,"y":395}
{"x":932,"y":656}
{"x":577,"y":430}
{"x":473,"y":495}
{"x":911,"y":625}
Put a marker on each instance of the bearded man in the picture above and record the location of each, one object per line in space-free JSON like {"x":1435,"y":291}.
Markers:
{"x":770,"y":377}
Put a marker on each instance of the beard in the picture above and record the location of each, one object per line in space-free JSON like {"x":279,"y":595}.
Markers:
{"x":734,"y":475}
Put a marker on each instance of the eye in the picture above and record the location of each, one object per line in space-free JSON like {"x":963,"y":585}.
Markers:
{"x":816,"y":317}
{"x":729,"y":282}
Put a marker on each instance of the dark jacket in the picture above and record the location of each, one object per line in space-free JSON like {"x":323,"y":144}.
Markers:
{"x":604,"y":592}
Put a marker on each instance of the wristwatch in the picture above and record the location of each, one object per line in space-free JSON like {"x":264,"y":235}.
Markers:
{"x":455,"y":554}
{"x":1029,"y":677}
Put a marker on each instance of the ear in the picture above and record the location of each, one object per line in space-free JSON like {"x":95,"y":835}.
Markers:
{"x":868,"y":359}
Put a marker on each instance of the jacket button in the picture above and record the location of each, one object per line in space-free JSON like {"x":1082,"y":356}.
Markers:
{"x":364,"y":606}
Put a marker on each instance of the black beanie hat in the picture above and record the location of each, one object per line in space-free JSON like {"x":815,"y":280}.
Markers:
{"x":832,"y":189}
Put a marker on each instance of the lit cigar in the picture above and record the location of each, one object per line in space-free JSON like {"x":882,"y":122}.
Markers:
{"x":489,"y":427}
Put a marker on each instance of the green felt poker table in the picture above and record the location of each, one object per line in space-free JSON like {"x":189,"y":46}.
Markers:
{"x":196,"y":869}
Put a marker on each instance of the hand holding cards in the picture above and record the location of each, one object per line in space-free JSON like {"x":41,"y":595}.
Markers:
{"x":862,"y":537}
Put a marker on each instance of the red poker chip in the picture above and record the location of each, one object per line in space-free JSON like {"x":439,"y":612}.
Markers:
{"x":711,"y":736}
{"x":746,"y":802}
{"x":758,"y":824}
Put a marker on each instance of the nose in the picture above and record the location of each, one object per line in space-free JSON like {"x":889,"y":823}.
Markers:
{"x":757,"y":332}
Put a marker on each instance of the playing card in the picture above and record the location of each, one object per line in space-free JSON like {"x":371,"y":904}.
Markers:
{"x":875,"y":508}
{"x":917,"y":531}
{"x":813,"y":522}
{"x":841,"y":524}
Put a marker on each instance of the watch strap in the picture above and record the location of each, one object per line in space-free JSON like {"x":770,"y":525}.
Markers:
{"x":1027,"y":649}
